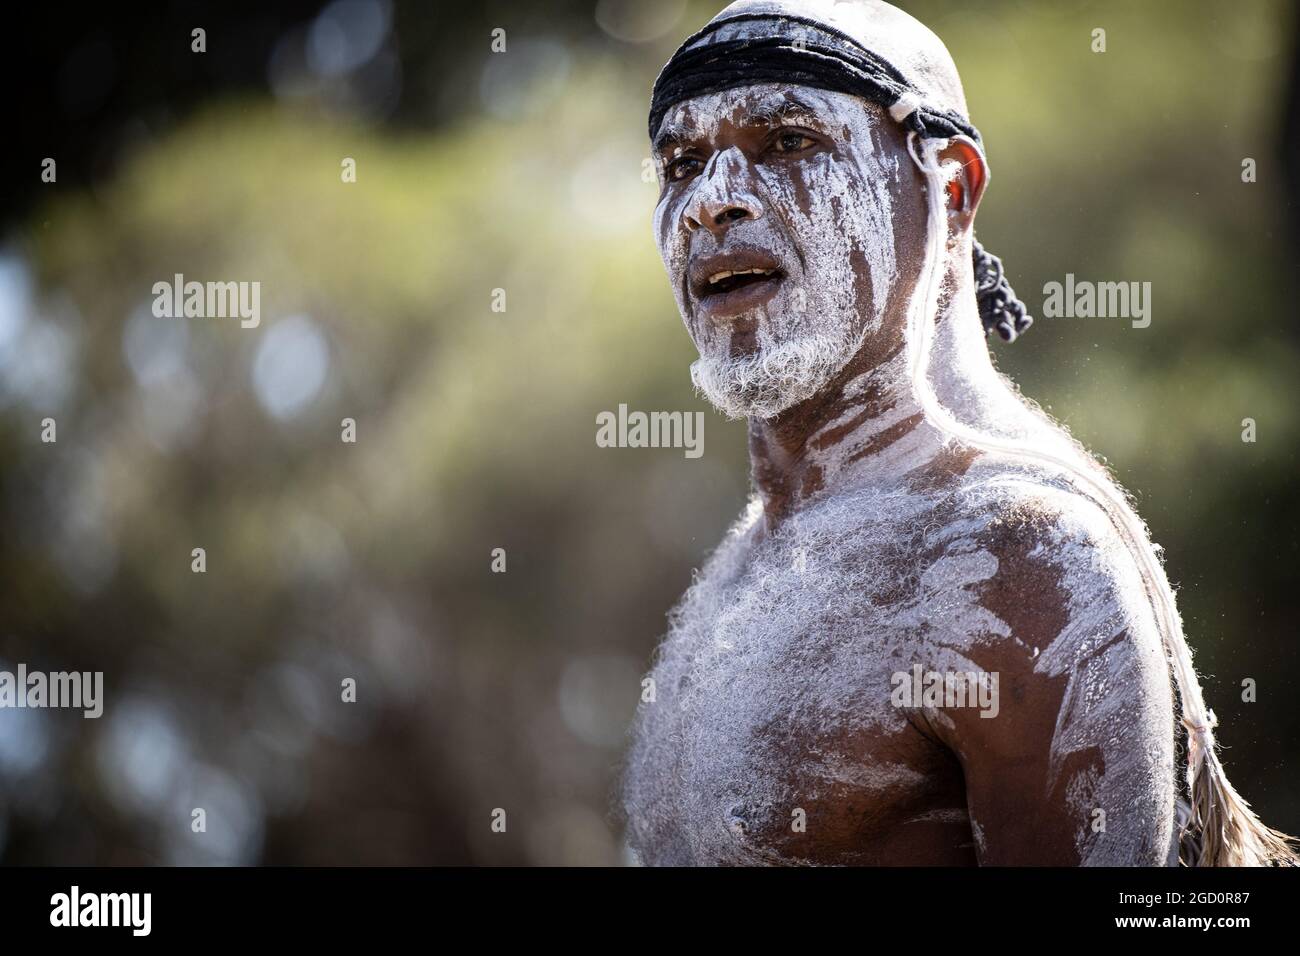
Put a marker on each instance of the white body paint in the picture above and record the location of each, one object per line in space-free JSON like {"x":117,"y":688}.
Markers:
{"x":891,"y":574}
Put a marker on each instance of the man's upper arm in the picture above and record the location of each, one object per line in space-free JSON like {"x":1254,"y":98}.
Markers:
{"x":1074,"y":761}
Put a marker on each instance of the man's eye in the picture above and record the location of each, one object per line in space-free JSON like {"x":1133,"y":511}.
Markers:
{"x":792,"y":142}
{"x":681,"y":168}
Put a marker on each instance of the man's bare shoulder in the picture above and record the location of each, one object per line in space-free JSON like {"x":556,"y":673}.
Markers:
{"x":1062,"y":564}
{"x":1086,"y":709}
{"x":1021,"y":555}
{"x":1036,"y":526}
{"x":1040,"y":587}
{"x":1038,"y":518}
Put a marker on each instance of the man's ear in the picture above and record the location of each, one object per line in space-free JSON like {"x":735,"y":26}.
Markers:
{"x":966,"y":186}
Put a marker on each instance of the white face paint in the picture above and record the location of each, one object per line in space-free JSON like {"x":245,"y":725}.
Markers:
{"x":821,"y":214}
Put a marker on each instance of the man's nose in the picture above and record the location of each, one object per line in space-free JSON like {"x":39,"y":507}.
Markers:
{"x":722,"y":195}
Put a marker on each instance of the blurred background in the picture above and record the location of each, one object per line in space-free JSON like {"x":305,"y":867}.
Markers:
{"x":475,"y":429}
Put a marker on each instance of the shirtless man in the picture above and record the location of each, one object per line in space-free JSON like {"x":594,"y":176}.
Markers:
{"x":912,"y":515}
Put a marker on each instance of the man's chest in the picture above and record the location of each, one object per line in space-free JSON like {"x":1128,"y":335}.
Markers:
{"x":772,"y":735}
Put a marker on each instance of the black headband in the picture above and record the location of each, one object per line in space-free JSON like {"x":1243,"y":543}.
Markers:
{"x":828,"y":59}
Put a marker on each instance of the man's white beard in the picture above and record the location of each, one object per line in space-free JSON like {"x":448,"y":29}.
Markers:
{"x":767,"y":383}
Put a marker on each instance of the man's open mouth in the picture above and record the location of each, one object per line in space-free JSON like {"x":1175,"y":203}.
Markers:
{"x":731,"y":283}
{"x":728,"y":281}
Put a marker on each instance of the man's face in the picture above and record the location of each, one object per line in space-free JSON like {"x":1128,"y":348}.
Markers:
{"x":776,"y":225}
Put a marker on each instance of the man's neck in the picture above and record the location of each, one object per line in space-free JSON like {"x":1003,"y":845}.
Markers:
{"x":867,"y":427}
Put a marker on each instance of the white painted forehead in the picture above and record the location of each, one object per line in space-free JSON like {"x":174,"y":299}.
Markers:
{"x":831,"y":107}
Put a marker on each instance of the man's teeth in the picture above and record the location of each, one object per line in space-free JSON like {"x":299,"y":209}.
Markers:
{"x":719,"y":276}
